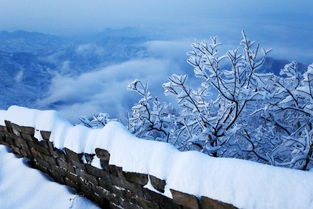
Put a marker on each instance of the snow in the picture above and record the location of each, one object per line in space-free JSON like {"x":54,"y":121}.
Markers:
{"x":242,"y":183}
{"x":23,"y":187}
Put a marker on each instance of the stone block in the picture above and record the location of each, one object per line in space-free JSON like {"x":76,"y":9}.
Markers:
{"x":42,"y":166}
{"x":73,"y":156}
{"x":137,"y":178}
{"x":56,"y":153}
{"x":104,"y":165}
{"x":26,"y":153}
{"x":35,"y":145}
{"x":129,"y":204}
{"x":187,"y":200}
{"x":27,"y":130}
{"x":43,"y":163}
{"x":8,"y":126}
{"x":101,"y":191}
{"x":27,"y":137}
{"x":122,"y":182}
{"x":65,"y":165}
{"x":16,"y":129}
{"x":50,"y":160}
{"x":87,"y":178}
{"x":115,"y":170}
{"x":163,"y":201}
{"x":36,"y":155}
{"x":103,"y":203}
{"x":71,"y":183}
{"x":45,"y":135}
{"x":58,"y":169}
{"x":20,"y":142}
{"x":9,"y":140}
{"x":72,"y":176}
{"x":16,"y":151}
{"x":143,"y":203}
{"x":2,"y":137}
{"x":96,"y":172}
{"x":157,"y":183}
{"x":3,"y":128}
{"x":103,"y":154}
{"x":103,"y":181}
{"x":208,"y":203}
{"x":76,"y":164}
{"x":56,"y":175}
{"x":86,"y":188}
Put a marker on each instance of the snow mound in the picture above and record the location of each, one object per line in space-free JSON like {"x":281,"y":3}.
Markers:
{"x":22,"y":187}
{"x":242,"y":183}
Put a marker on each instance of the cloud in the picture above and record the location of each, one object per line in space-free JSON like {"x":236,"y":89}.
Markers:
{"x":174,"y":49}
{"x":104,"y":90}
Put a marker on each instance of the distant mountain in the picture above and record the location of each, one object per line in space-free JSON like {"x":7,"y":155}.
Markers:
{"x":30,"y":42}
{"x":28,"y":60}
{"x":23,"y":78}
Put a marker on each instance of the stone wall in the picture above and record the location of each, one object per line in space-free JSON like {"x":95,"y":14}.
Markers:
{"x":109,"y":187}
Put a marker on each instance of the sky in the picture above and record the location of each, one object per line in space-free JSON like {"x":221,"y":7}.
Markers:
{"x":283,"y":24}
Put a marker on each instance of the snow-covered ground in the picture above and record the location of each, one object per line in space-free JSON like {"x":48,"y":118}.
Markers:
{"x":245,"y":184}
{"x":23,"y":187}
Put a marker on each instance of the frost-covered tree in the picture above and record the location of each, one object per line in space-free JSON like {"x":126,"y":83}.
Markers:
{"x":150,"y":118}
{"x":96,"y":121}
{"x":235,"y":111}
{"x":292,"y":113}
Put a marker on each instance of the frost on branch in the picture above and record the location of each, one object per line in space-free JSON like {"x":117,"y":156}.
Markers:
{"x":235,"y":111}
{"x":149,"y":118}
{"x":96,"y":121}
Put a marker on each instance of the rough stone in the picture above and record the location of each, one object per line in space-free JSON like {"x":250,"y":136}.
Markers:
{"x":163,"y":201}
{"x":208,"y":203}
{"x":20,"y":142}
{"x":137,"y":178}
{"x":45,"y":135}
{"x":56,"y":153}
{"x":96,"y":171}
{"x":9,"y":126}
{"x":38,"y":147}
{"x":71,"y":183}
{"x":35,"y":153}
{"x":17,"y":151}
{"x":157,"y":183}
{"x":63,"y":164}
{"x":73,"y":155}
{"x":56,"y":175}
{"x":103,"y":154}
{"x":27,"y":130}
{"x":187,"y":200}
{"x":16,"y":129}
{"x":86,"y":177}
{"x":145,"y":203}
{"x":50,"y":160}
{"x":72,"y":176}
{"x":115,"y":170}
{"x":3,"y":128}
{"x":27,"y":137}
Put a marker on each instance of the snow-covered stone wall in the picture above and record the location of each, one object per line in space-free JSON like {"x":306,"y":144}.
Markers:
{"x":108,"y":186}
{"x":116,"y":169}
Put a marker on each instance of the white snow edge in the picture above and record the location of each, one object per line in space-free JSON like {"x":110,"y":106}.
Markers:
{"x":242,"y":183}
